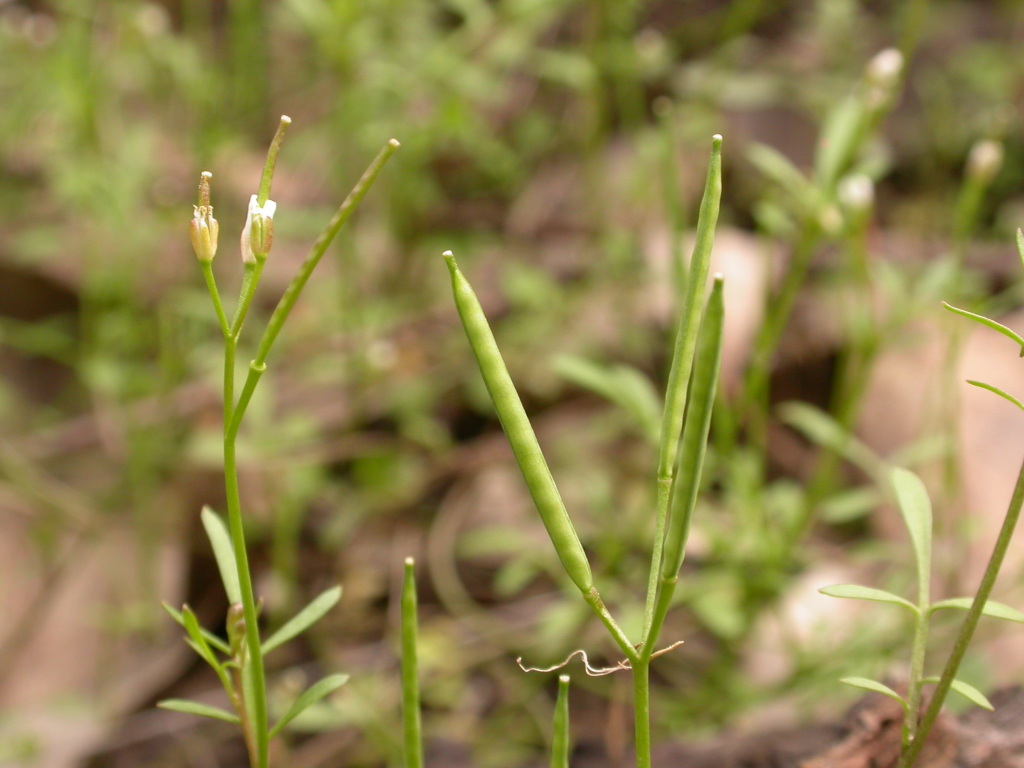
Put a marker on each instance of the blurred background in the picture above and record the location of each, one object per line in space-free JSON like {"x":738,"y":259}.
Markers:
{"x":559,"y":147}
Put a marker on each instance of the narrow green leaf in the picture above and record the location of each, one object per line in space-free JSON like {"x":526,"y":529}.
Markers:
{"x":992,"y":608}
{"x":195,"y":633}
{"x":195,"y":708}
{"x":1005,"y":395}
{"x":313,"y":694}
{"x":779,"y":169}
{"x":1020,"y":245}
{"x":620,"y":384}
{"x":224,"y":553}
{"x":822,"y":429}
{"x":211,"y":638}
{"x":916,"y":509}
{"x":988,"y":323}
{"x":874,"y":686}
{"x":304,"y":619}
{"x":857,"y":592}
{"x":966,"y":690}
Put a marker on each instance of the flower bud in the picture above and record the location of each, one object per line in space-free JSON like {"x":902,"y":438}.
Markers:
{"x":258,"y":232}
{"x":985,"y":160}
{"x":882,"y":76}
{"x":203,"y":229}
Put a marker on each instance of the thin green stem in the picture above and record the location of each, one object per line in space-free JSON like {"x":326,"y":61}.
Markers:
{"x":254,"y":662}
{"x":917,"y":657}
{"x":593,"y":599}
{"x":235,"y":692}
{"x":413,"y":738}
{"x":268,"y":167}
{"x":970,"y":623}
{"x":250,"y":281}
{"x":754,"y":403}
{"x":560,"y":726}
{"x":642,"y":712}
{"x":218,"y":306}
{"x":291,"y":294}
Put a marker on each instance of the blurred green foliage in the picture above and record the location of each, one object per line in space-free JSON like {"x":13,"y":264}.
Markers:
{"x":535,"y":147}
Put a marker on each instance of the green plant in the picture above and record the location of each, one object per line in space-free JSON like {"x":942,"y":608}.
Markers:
{"x":915,"y":507}
{"x":411,"y":716}
{"x":685,"y":423}
{"x":241,"y":671}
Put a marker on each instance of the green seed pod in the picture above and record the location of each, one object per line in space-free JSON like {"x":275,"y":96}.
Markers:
{"x":694,"y":440}
{"x":519,"y":431}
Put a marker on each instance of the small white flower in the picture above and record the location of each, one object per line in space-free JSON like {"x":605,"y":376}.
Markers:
{"x":258,"y":230}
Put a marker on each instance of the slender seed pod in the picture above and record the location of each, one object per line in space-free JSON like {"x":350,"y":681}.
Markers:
{"x":694,"y":440}
{"x":519,"y":431}
{"x":413,"y":740}
{"x":686,"y":333}
{"x":560,"y":726}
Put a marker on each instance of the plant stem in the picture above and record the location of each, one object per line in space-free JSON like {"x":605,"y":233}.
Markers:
{"x":917,"y":656}
{"x":258,"y":693}
{"x":642,"y":711}
{"x":970,"y":623}
{"x":410,"y":672}
{"x":560,"y":726}
{"x":291,"y":294}
{"x":218,"y":306}
{"x":593,"y":599}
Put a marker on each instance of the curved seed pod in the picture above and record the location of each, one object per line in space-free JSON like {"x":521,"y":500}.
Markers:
{"x":519,"y":431}
{"x":693,"y":443}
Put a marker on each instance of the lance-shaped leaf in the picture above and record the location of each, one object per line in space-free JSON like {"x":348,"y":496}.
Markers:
{"x":304,"y":619}
{"x":873,"y":686}
{"x":195,"y":634}
{"x":996,"y":390}
{"x":210,"y":638}
{"x":966,"y":690}
{"x":224,"y":553}
{"x":992,"y":608}
{"x":989,"y":323}
{"x":621,"y":384}
{"x":195,"y":708}
{"x":857,"y":592}
{"x":313,"y":694}
{"x":916,"y":509}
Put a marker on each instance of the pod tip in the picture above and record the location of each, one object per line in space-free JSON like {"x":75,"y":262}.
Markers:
{"x":563,"y":678}
{"x":716,"y":140}
{"x":285,"y":120}
{"x":410,"y":562}
{"x":394,"y":143}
